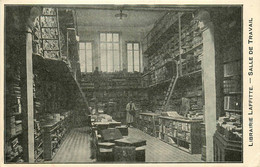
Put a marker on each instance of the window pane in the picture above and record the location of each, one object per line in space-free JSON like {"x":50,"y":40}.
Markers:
{"x":110,"y":69}
{"x":115,"y":37}
{"x":109,"y":37}
{"x":116,"y":46}
{"x":110,"y":54}
{"x":116,"y":68}
{"x":129,"y":46}
{"x":82,"y":60}
{"x":116,"y":60}
{"x":141,"y":62}
{"x":103,"y":62}
{"x":103,"y":53}
{"x":130,"y":61}
{"x":136,"y":68}
{"x":136,"y":57}
{"x":136,"y":46}
{"x":89,"y":58}
{"x":110,"y":61}
{"x":130,"y":68}
{"x":103,"y":37}
{"x":89,"y":68}
{"x":109,"y":46}
{"x":130,"y":57}
{"x":103,"y":46}
{"x":136,"y":61}
{"x":88,"y":45}
{"x":81,"y":45}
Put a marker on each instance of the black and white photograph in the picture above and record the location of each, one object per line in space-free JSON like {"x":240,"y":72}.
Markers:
{"x":125,"y":84}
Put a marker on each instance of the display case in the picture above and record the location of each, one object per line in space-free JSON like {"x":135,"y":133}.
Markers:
{"x":181,"y":132}
{"x":226,"y":150}
{"x":149,"y":123}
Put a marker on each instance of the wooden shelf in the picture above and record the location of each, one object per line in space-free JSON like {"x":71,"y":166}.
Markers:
{"x":162,"y":82}
{"x":191,"y":73}
{"x":231,"y":76}
{"x":227,"y":150}
{"x":230,"y":110}
{"x":177,"y":146}
{"x":148,"y":121}
{"x":193,"y":132}
{"x":190,"y":50}
{"x":164,"y":64}
{"x":233,"y":93}
{"x":163,"y":37}
{"x":231,"y":61}
{"x":49,"y":128}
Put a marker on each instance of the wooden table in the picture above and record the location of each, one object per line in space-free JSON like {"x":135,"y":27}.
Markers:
{"x":128,"y":141}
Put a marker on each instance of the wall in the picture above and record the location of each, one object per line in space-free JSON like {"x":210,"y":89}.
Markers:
{"x":91,"y":33}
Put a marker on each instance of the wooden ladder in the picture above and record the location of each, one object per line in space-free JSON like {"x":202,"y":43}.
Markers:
{"x":171,"y":88}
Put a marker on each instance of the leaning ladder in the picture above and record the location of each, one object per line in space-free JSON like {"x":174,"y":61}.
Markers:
{"x":170,"y":88}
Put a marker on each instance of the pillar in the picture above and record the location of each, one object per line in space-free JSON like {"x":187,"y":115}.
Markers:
{"x":209,"y":81}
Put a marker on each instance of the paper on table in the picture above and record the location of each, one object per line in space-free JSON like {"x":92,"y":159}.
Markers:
{"x":172,"y":114}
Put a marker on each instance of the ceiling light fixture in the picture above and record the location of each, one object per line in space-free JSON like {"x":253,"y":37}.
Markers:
{"x":120,"y":15}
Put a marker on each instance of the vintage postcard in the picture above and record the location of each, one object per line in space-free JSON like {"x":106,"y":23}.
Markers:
{"x":141,"y":83}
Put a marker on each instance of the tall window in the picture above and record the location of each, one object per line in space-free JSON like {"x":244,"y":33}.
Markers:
{"x":85,"y":56}
{"x":133,"y":57}
{"x":109,"y":52}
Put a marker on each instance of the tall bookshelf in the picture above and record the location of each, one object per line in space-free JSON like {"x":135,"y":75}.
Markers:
{"x":228,"y":137}
{"x":54,"y":63}
{"x":13,"y":123}
{"x":180,"y":43}
{"x":183,"y":45}
{"x":114,"y":92}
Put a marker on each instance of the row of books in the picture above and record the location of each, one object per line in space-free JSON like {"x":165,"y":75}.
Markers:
{"x":232,"y":102}
{"x":14,"y":150}
{"x":230,"y":126}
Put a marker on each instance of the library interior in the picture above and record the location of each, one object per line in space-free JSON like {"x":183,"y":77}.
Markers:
{"x":123,"y":83}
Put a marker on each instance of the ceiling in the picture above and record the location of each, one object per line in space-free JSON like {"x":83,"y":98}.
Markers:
{"x":106,"y":17}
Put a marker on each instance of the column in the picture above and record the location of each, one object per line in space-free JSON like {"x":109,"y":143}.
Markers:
{"x":209,"y":81}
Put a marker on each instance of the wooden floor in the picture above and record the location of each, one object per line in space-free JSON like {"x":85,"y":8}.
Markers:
{"x":76,"y":149}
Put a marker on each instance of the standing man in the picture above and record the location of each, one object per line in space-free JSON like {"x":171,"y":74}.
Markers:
{"x":130,"y":113}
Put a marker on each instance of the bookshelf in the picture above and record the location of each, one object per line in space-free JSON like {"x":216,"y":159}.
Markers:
{"x":13,"y":123}
{"x":54,"y":134}
{"x":184,"y":45}
{"x":180,"y":40}
{"x":149,"y":123}
{"x":114,"y":92}
{"x":181,"y":133}
{"x":228,"y":136}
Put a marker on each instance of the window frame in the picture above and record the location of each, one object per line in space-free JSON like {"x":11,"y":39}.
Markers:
{"x":92,"y":57}
{"x":140,"y":54}
{"x":112,"y":42}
